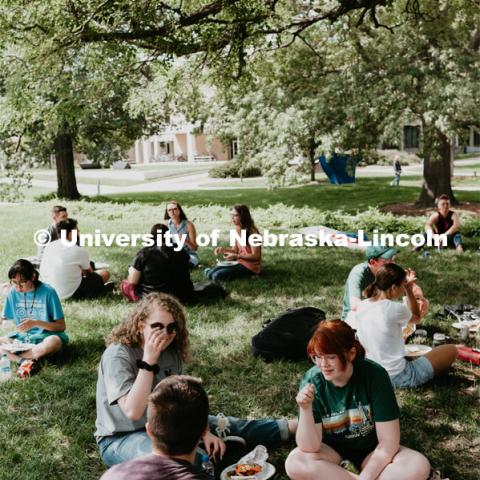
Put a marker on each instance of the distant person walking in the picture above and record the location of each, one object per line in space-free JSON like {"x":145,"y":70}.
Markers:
{"x":397,"y":171}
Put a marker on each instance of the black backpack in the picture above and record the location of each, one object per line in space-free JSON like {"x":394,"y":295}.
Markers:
{"x":286,"y":337}
{"x":208,"y":291}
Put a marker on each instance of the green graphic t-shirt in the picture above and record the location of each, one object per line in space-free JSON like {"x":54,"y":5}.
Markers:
{"x":348,"y":414}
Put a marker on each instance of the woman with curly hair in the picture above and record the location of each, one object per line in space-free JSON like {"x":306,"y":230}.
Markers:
{"x":151,"y":344}
{"x":245,"y":259}
{"x":178,"y":224}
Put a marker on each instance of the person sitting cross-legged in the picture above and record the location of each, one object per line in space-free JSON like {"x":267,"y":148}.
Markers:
{"x":177,"y":418}
{"x":444,"y":221}
{"x":37,"y":312}
{"x":151,"y":344}
{"x":348,"y":411}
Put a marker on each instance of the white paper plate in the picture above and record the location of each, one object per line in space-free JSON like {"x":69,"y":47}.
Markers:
{"x":227,"y":263}
{"x":474,"y":325}
{"x":16,"y":346}
{"x":414,"y":350}
{"x":101,"y":265}
{"x":267,"y":472}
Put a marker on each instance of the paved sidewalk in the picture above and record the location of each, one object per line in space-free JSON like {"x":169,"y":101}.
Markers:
{"x":197,"y":181}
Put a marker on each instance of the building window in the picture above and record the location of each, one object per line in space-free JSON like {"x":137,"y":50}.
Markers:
{"x":476,"y":138}
{"x":233,"y":148}
{"x":410,"y":136}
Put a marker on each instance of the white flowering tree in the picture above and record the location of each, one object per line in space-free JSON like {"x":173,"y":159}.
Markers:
{"x":351,"y":86}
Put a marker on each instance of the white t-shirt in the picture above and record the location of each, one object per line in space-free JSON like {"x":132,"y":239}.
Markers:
{"x":379,"y":329}
{"x":62,"y":267}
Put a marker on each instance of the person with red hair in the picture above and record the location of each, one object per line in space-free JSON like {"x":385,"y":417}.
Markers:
{"x":348,"y":411}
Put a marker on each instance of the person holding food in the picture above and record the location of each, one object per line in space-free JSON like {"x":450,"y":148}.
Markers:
{"x":151,"y":344}
{"x":348,"y":416}
{"x":178,"y":224}
{"x":380,"y":319}
{"x":38,"y":315}
{"x":240,"y":260}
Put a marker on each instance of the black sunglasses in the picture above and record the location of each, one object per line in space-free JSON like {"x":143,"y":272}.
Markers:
{"x":171,"y":327}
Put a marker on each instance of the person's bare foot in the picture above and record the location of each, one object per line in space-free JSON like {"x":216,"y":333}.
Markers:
{"x":459,"y":249}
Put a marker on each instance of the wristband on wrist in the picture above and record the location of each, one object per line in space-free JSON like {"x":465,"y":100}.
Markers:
{"x":146,"y":366}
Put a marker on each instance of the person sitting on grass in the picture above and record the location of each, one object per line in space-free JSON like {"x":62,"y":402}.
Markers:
{"x":380,"y":321}
{"x":445,"y":221}
{"x":159,"y":268}
{"x":363,"y":275}
{"x":248,"y":259}
{"x":151,"y":344}
{"x":38,"y":315}
{"x":348,"y":423}
{"x":59,"y":214}
{"x":178,"y":224}
{"x":177,"y":417}
{"x":67,"y":268}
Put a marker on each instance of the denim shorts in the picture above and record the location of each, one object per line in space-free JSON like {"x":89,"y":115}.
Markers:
{"x":414,"y":374}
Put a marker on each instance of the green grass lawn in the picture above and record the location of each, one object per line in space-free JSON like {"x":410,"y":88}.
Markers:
{"x":47,"y":422}
{"x":324,"y":196}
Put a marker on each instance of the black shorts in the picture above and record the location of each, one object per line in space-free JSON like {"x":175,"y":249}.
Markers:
{"x":91,"y":286}
{"x":355,"y":456}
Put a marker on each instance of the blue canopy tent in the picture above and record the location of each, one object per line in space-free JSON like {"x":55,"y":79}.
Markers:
{"x":340,"y":168}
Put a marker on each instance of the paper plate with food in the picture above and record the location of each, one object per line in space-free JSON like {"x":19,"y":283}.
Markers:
{"x":416,"y":350}
{"x":253,"y":466}
{"x":226,"y":263}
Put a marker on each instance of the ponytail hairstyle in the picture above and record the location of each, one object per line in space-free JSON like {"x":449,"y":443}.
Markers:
{"x":334,"y":337}
{"x":386,"y":276}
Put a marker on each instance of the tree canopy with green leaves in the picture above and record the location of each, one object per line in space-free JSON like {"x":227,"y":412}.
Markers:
{"x":345,"y":86}
{"x":327,"y":72}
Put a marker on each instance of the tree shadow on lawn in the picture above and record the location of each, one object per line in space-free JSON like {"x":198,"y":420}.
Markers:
{"x":441,"y":421}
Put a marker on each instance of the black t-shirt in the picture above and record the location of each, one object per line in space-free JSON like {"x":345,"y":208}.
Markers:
{"x":155,"y":467}
{"x":164,"y":270}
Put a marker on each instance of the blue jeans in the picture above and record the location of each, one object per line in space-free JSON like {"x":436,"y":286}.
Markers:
{"x":122,"y":447}
{"x":219,"y":273}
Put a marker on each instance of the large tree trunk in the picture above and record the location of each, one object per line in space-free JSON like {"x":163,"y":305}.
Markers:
{"x":437,"y":172}
{"x":67,"y":183}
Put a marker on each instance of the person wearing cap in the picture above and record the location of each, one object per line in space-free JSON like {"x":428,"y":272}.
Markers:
{"x":363,"y":275}
{"x":360,"y":277}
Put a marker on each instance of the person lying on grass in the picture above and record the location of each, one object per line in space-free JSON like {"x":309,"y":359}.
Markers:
{"x":177,"y":418}
{"x":380,"y":320}
{"x":38,"y":315}
{"x":363,"y":275}
{"x":151,"y":344}
{"x":248,"y":258}
{"x":348,"y":411}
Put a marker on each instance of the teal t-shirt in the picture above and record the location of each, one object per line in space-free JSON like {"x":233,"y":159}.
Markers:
{"x":40,"y":304}
{"x":359,"y":278}
{"x":348,"y":414}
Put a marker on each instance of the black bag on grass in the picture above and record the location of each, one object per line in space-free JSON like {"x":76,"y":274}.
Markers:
{"x":286,"y":337}
{"x":208,"y":291}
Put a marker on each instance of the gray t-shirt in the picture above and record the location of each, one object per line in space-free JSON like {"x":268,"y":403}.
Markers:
{"x":116,"y":374}
{"x":359,"y":278}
